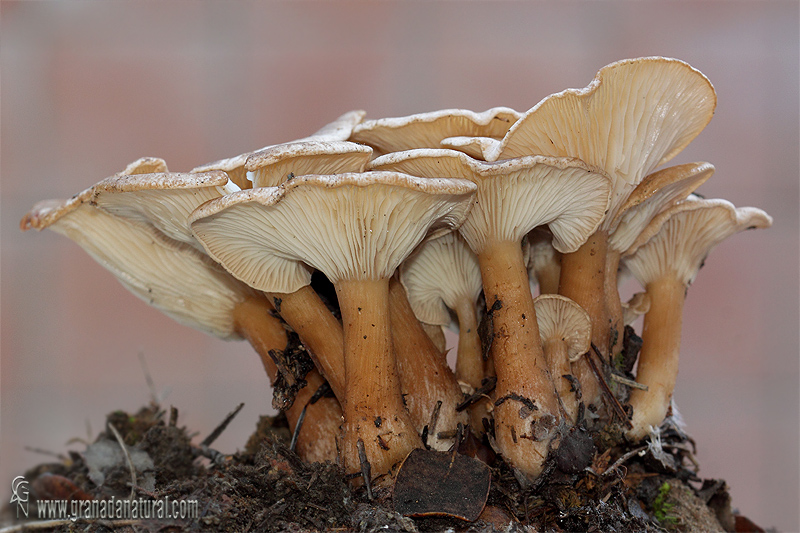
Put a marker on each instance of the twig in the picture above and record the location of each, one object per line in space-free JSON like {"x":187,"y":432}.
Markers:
{"x":604,"y":385}
{"x":486,"y":387}
{"x":42,"y":451}
{"x":298,"y":427}
{"x":629,"y":382}
{"x":148,"y":379}
{"x":220,"y":428}
{"x":365,"y":467}
{"x":619,"y":462}
{"x":127,"y":458}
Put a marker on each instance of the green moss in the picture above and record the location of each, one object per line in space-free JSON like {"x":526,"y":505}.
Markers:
{"x":662,"y":508}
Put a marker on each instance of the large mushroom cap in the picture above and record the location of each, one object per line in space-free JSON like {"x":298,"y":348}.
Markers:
{"x":338,"y":130}
{"x":634,"y":116}
{"x":170,"y":276}
{"x":679,"y":239}
{"x":437,"y":275}
{"x":348,"y":226}
{"x":561,"y":319}
{"x":272,"y":166}
{"x":426,"y":130}
{"x":515,"y":196}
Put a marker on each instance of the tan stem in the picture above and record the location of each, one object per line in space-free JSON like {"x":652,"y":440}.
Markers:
{"x":373,"y":408}
{"x":317,"y":439}
{"x":318,"y":330}
{"x":469,"y":363}
{"x":613,"y":304}
{"x":658,"y":360}
{"x":425,"y":376}
{"x":583,"y":281}
{"x":548,"y":276}
{"x":556,"y":352}
{"x":436,"y":333}
{"x":522,"y":434}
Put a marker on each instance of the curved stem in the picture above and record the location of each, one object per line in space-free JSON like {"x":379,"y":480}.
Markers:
{"x":526,"y":406}
{"x":558,"y":360}
{"x":373,"y":408}
{"x":583,"y":281}
{"x":425,"y":377}
{"x":318,"y":330}
{"x":548,"y":276}
{"x":658,"y":360}
{"x":264,"y":332}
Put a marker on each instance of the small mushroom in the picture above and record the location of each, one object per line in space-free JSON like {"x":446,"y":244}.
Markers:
{"x":426,"y":130}
{"x":356,"y":229}
{"x":656,"y":193}
{"x":513,"y":197}
{"x":665,"y":259}
{"x":443,"y":274}
{"x":566,"y":331}
{"x":636,"y":306}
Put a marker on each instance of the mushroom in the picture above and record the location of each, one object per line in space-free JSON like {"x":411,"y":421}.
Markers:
{"x":187,"y":286}
{"x":636,"y":306}
{"x":544,"y":261}
{"x":635,"y":115}
{"x":426,"y":130}
{"x":656,"y":193}
{"x":665,"y":259}
{"x":513,"y":197}
{"x":566,"y":332}
{"x":338,"y":130}
{"x":359,"y":230}
{"x":443,"y":274}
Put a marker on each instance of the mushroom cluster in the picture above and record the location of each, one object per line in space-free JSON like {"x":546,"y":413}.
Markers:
{"x":449,"y":218}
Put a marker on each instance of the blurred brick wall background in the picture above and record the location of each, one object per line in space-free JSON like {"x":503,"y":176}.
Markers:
{"x":88,"y":87}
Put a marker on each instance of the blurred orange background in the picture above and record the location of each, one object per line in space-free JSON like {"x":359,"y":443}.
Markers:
{"x":88,"y":87}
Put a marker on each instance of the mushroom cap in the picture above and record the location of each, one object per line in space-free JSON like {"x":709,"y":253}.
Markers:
{"x":638,"y":305}
{"x":657,"y":191}
{"x":170,"y":276}
{"x":426,"y":130}
{"x":559,"y":318}
{"x":516,"y":195}
{"x":164,"y":200}
{"x":678,"y":240}
{"x":437,"y":275}
{"x":634,"y":116}
{"x":272,"y":166}
{"x":348,"y":226}
{"x":338,"y":130}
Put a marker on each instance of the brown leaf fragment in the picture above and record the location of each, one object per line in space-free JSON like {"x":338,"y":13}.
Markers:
{"x":432,"y":483}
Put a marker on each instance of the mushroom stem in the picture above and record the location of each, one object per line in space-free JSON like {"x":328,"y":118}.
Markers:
{"x":317,"y":439}
{"x":469,"y":363}
{"x":548,"y":277}
{"x":557,"y":356}
{"x":525,"y":403}
{"x":425,"y":377}
{"x":658,"y":360}
{"x":583,"y":281}
{"x":373,"y":407}
{"x":318,"y":330}
{"x":613,"y":304}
